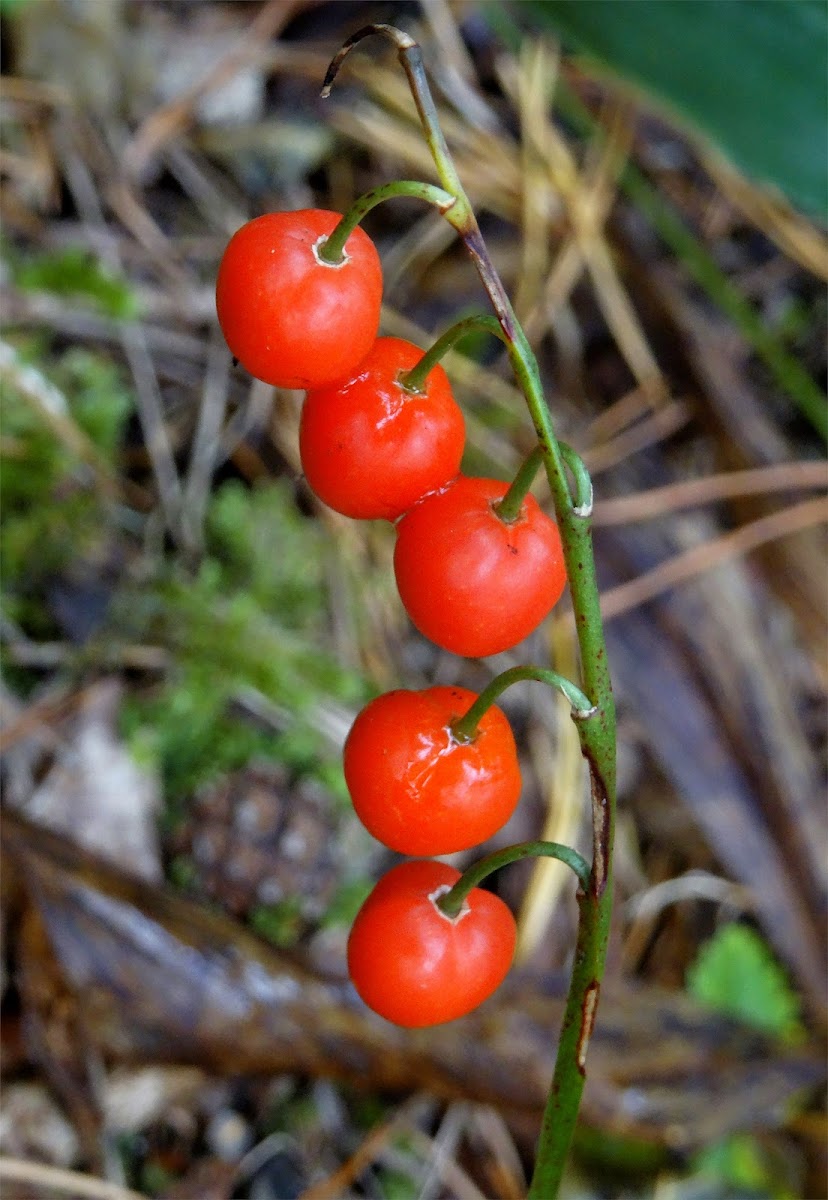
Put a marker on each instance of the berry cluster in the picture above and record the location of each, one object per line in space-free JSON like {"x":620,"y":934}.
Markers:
{"x":379,"y":440}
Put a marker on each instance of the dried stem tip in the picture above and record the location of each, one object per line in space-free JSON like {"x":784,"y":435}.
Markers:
{"x":402,"y":41}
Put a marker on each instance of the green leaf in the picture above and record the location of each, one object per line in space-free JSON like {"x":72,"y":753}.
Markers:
{"x":741,"y":1168}
{"x":747,"y":74}
{"x":735,"y":1161}
{"x":736,"y":974}
{"x":252,"y":617}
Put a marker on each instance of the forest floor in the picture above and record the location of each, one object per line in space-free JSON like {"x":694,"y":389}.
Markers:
{"x":188,"y":633}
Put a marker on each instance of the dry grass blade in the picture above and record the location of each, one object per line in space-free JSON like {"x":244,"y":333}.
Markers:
{"x":368,"y":1152}
{"x":488,"y":164}
{"x":655,"y":502}
{"x":445,"y":1141}
{"x":646,"y":907}
{"x":561,"y":774}
{"x":43,"y":1179}
{"x":589,"y":216}
{"x":660,"y":424}
{"x":148,"y":396}
{"x":33,"y":720}
{"x":135,"y":217}
{"x":796,"y":236}
{"x":207,"y":440}
{"x":451,"y":1174}
{"x":43,"y":655}
{"x":537,"y":75}
{"x":494,"y":1130}
{"x":587,"y":195}
{"x":248,"y":417}
{"x":564,"y":274}
{"x":617,"y":416}
{"x":171,"y":119}
{"x":621,"y":316}
{"x":458,"y":75}
{"x":684,"y":567}
{"x":151,"y":412}
{"x":18,"y":90}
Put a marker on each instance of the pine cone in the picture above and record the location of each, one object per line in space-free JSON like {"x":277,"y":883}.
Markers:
{"x":258,"y":838}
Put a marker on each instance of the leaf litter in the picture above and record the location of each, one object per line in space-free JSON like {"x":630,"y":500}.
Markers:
{"x":716,"y":615}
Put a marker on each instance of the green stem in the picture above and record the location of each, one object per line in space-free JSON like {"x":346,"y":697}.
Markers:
{"x":332,"y":249}
{"x":464,"y":729}
{"x":582,"y":497}
{"x":597,"y":730}
{"x":451,"y":902}
{"x":411,"y":60}
{"x":414,"y":380}
{"x":508,"y":509}
{"x":563,"y":1101}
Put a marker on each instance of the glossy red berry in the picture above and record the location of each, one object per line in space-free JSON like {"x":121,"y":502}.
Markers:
{"x":415,"y":966}
{"x":369,"y":447}
{"x":470,"y":582}
{"x":417,"y":789}
{"x":290,"y":318}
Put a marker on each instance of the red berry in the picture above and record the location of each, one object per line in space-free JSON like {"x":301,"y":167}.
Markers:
{"x":414,"y":965}
{"x":290,"y":318}
{"x":369,"y":447}
{"x":470,"y":582}
{"x":418,"y":790}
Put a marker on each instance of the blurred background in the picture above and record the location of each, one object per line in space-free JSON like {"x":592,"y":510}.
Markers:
{"x":187,"y":634}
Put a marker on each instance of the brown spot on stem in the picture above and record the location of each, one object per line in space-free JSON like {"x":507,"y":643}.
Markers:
{"x":600,"y":828}
{"x":588,"y":1008}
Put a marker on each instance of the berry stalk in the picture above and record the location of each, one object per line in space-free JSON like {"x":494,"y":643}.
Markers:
{"x":414,"y":380}
{"x":508,"y":509}
{"x":333,"y":248}
{"x":465,"y":729}
{"x":451,"y":902}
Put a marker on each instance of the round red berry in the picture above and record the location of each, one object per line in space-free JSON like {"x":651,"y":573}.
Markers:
{"x":289,"y":317}
{"x":414,"y":965}
{"x":470,"y":582}
{"x":415,"y":787}
{"x":371,"y":448}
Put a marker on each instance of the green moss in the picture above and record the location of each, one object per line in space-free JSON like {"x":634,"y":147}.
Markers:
{"x":52,"y":511}
{"x":75,"y":272}
{"x":251,"y":620}
{"x":280,"y":924}
{"x":346,"y":903}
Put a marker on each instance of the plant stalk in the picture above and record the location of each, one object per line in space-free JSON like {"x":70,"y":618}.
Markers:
{"x":596,"y":730}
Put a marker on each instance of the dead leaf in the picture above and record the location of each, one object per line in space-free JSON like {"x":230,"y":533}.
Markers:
{"x":95,"y":793}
